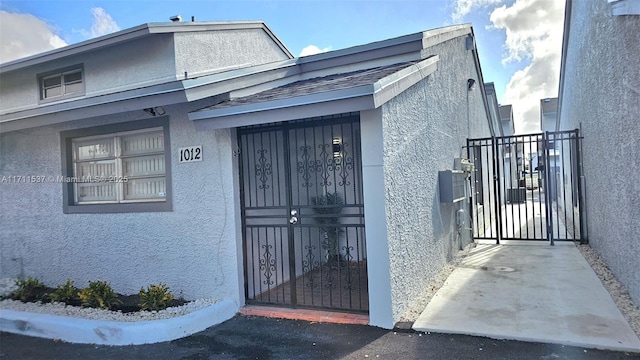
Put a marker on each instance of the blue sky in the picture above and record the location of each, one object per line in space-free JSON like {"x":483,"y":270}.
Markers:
{"x":508,"y":48}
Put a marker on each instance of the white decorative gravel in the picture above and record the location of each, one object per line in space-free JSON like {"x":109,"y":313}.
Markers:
{"x":8,"y":285}
{"x":618,"y":292}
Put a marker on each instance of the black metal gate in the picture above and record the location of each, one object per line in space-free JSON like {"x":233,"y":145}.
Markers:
{"x":303,"y":214}
{"x":528,"y":187}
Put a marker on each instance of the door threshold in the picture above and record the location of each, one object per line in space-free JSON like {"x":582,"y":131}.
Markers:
{"x":306,"y":315}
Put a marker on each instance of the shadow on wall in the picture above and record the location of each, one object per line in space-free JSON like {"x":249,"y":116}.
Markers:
{"x":443,"y":225}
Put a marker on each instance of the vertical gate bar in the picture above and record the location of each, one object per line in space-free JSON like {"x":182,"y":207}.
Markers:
{"x":526,"y":203}
{"x":499,"y":176}
{"x":581,"y":194}
{"x":564,"y":192}
{"x":473,"y":199}
{"x":322,"y":268}
{"x":302,"y":276}
{"x":259,"y":273}
{"x":517,"y":186}
{"x":511,"y":144}
{"x":274,"y":159}
{"x":261,"y":146}
{"x":268,"y":136}
{"x":496,"y":188}
{"x":542,"y":155}
{"x":335,"y":190}
{"x":572,"y":186}
{"x":282,"y":271}
{"x":501,"y":164}
{"x":290,"y":229}
{"x":243,"y":214}
{"x":470,"y":199}
{"x":357,"y":230}
{"x":549,"y":211}
{"x":487,"y":149}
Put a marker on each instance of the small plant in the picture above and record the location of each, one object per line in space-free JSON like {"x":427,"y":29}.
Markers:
{"x":155,"y":298}
{"x":99,"y":294}
{"x":29,"y":290}
{"x":66,"y":293}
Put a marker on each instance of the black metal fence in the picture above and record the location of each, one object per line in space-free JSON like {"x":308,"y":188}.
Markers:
{"x":528,"y":187}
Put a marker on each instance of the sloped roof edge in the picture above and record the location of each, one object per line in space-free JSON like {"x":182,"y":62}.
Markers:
{"x":368,"y":96}
{"x":135,"y":33}
{"x":395,"y":46}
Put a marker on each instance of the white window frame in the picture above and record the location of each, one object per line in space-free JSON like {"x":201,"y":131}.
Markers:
{"x":69,"y":138}
{"x":64,"y":93}
{"x":119,"y":180}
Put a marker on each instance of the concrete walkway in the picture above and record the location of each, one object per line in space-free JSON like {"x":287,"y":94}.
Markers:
{"x":532,"y":292}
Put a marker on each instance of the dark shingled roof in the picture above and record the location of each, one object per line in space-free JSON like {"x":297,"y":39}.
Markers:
{"x":318,"y":85}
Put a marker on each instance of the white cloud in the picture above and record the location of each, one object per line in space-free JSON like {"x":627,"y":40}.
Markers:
{"x":24,"y":35}
{"x":534,"y":34}
{"x":312,"y":50}
{"x":103,"y":23}
{"x":464,"y":7}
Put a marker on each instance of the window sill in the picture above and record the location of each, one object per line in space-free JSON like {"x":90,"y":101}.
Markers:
{"x":164,"y":206}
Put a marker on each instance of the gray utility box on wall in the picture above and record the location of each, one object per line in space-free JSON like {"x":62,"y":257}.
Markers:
{"x":452,"y":184}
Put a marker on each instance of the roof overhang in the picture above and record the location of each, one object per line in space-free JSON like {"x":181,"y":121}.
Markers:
{"x":169,"y":93}
{"x":138,"y":32}
{"x":358,"y":98}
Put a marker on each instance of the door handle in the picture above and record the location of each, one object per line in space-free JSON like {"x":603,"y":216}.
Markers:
{"x":293,"y":220}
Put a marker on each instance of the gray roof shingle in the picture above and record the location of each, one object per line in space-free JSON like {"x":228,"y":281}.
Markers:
{"x":317,"y":85}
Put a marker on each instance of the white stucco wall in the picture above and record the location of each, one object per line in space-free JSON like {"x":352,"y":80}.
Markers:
{"x":424,"y":129}
{"x":601,"y":96}
{"x":151,"y":60}
{"x":130,"y":65}
{"x":199,"y":52}
{"x":192,"y":248}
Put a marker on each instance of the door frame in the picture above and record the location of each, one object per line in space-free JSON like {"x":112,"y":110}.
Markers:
{"x":285,"y":128}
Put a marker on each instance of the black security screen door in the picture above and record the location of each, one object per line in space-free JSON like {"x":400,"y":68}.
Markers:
{"x":303,"y":214}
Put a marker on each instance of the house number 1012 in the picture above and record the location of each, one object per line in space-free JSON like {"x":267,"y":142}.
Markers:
{"x":190,"y":154}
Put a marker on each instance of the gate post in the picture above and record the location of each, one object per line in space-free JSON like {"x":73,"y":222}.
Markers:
{"x":547,"y":182}
{"x":496,"y":188}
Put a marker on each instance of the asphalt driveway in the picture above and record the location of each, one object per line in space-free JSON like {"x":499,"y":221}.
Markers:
{"x":249,"y":337}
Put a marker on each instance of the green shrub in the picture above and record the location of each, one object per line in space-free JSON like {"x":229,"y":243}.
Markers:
{"x":155,"y":298}
{"x":29,"y":290}
{"x":99,"y":294}
{"x":66,"y":293}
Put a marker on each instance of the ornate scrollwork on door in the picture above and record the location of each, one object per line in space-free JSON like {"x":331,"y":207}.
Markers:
{"x":308,"y":265}
{"x":307,"y":165}
{"x":345,"y":164}
{"x":326,"y":164}
{"x":263,"y":169}
{"x":268,"y":264}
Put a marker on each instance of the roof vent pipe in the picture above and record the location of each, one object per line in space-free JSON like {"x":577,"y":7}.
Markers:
{"x":176,"y":18}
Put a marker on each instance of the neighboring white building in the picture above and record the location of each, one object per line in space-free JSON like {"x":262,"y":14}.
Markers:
{"x":548,"y":114}
{"x":599,"y":94}
{"x":207,"y":157}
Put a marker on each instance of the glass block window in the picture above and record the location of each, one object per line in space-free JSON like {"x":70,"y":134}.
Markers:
{"x":122,"y":167}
